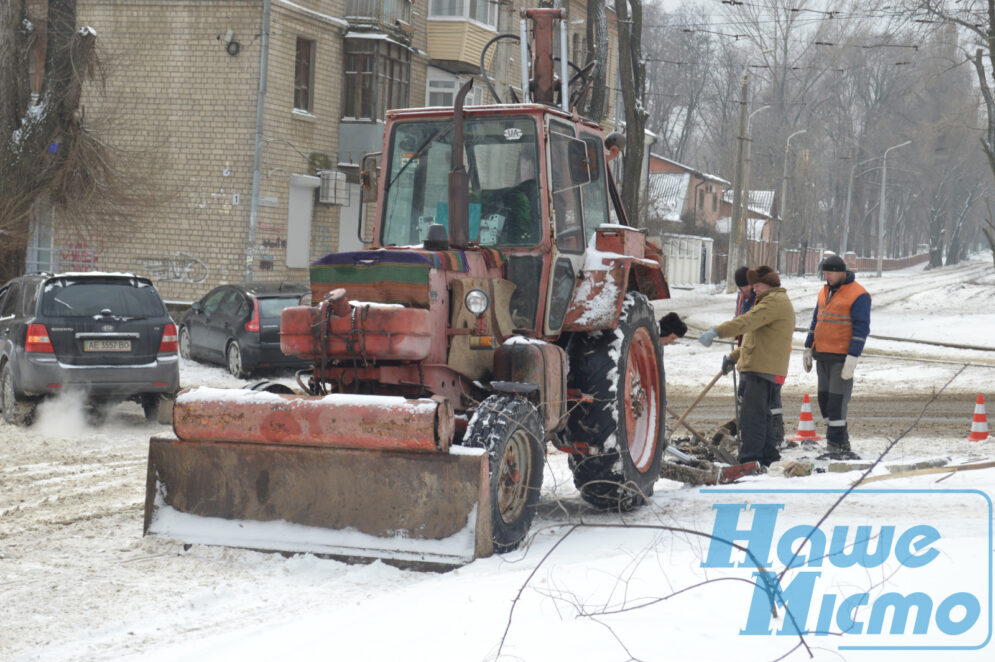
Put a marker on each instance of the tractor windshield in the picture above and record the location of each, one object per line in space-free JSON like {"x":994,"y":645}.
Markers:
{"x":501,"y":158}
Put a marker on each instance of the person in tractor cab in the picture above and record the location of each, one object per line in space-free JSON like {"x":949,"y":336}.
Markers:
{"x":672,"y":327}
{"x":511,"y":214}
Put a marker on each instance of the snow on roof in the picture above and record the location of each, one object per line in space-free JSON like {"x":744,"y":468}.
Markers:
{"x":694,"y":171}
{"x":760,"y":201}
{"x":667,"y":193}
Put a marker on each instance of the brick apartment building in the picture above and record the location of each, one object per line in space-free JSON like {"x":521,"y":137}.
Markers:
{"x":255,"y":134}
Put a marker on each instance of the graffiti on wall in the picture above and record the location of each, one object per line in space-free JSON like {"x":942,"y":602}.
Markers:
{"x":179,"y":267}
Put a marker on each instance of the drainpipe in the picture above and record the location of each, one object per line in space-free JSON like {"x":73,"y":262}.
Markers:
{"x":250,"y":251}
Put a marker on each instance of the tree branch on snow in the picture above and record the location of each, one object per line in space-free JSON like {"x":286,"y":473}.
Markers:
{"x":772,"y":589}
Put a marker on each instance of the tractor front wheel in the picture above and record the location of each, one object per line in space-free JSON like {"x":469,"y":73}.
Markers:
{"x":511,"y":431}
{"x":624,"y":425}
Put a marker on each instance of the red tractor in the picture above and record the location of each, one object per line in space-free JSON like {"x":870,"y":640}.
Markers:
{"x":504,"y":304}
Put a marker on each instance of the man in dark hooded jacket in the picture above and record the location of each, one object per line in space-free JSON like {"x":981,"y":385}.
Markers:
{"x":836,"y":337}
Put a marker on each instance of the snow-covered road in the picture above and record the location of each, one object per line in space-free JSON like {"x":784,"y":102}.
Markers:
{"x":78,"y":581}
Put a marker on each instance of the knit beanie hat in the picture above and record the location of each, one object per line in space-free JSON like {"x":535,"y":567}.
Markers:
{"x":833,"y":263}
{"x":763,"y":274}
{"x":741,"y":277}
{"x":672,"y":323}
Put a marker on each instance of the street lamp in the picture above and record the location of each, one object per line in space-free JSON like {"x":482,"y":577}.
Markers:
{"x":784,"y":192}
{"x":884,"y":174}
{"x":737,"y":195}
{"x":744,"y":206}
{"x":849,"y":190}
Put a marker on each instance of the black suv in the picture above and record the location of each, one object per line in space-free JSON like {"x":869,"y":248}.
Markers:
{"x":107,"y":335}
{"x":238,"y":325}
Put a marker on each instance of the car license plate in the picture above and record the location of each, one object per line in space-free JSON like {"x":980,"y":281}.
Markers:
{"x":106,"y":345}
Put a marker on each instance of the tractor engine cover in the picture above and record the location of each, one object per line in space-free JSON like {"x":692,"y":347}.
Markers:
{"x":372,"y":330}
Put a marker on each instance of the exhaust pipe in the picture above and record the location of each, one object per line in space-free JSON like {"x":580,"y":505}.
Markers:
{"x":459,"y":180}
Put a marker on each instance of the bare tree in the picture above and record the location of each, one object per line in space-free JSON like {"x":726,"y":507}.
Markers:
{"x":42,"y":143}
{"x":597,"y":51}
{"x":977,"y":18}
{"x":632,"y":77}
{"x":682,"y":58}
{"x":50,"y":154}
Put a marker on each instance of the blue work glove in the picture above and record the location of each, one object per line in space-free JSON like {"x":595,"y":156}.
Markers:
{"x":708,"y":336}
{"x":727,"y":365}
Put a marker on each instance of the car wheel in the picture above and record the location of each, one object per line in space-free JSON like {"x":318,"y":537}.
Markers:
{"x":234,"y":361}
{"x":95,"y":413}
{"x":16,"y":411}
{"x":151,"y":405}
{"x":184,"y":342}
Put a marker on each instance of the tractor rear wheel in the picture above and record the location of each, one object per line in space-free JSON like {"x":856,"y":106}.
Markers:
{"x":511,"y":431}
{"x":623,"y":370}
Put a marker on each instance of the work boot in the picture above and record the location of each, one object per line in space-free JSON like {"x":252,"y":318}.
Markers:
{"x":838,"y":452}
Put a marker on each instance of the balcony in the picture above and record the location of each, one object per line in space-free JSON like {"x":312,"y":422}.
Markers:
{"x":390,"y":15}
{"x":455,"y":45}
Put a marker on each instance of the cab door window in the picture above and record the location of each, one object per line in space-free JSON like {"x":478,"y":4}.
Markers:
{"x":567,"y":175}
{"x":594,"y":192}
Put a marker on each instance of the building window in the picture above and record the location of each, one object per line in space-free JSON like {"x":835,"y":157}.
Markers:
{"x":715,"y":202}
{"x":377,"y":77}
{"x":304,"y":75}
{"x":481,"y":11}
{"x":393,"y":76}
{"x":441,"y":89}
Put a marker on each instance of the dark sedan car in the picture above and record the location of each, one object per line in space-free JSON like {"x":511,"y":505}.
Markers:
{"x":107,"y":335}
{"x":239,"y":326}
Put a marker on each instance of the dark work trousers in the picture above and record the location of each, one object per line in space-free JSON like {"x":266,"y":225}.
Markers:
{"x":758,"y":438}
{"x":776,"y":410}
{"x":834,"y":397}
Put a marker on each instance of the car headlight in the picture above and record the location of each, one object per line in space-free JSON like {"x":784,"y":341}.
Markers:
{"x":477,"y":302}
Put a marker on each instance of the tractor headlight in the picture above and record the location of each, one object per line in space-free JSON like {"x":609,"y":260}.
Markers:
{"x":477,"y":302}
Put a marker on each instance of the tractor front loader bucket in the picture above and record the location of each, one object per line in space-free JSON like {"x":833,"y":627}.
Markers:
{"x":270,"y":472}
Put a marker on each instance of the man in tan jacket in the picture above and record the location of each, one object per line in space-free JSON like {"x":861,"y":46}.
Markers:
{"x":762,"y":360}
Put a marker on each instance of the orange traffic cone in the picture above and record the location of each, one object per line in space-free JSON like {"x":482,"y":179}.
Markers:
{"x":806,"y":426}
{"x":979,"y":425}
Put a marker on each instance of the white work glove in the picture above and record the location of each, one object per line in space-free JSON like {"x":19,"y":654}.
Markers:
{"x":708,"y":336}
{"x":848,"y":366}
{"x":807,"y":359}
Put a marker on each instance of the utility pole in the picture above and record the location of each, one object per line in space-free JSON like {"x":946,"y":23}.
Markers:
{"x":737,"y":194}
{"x":784,"y":193}
{"x":884,"y":175}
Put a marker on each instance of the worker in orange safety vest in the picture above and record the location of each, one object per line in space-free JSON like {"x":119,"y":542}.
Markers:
{"x":840,"y":325}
